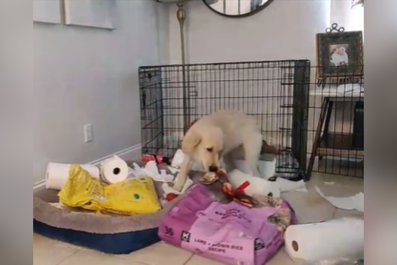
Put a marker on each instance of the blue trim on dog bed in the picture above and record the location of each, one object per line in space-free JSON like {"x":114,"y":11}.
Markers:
{"x":119,"y":243}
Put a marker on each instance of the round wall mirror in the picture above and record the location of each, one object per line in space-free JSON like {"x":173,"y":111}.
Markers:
{"x":236,"y":8}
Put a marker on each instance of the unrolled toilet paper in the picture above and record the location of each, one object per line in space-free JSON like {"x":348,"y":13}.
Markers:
{"x":114,"y":170}
{"x":338,"y":238}
{"x":57,"y":174}
{"x":258,"y":186}
{"x":355,"y":202}
{"x":152,"y":171}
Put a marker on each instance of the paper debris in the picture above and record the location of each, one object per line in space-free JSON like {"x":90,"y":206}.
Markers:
{"x":57,"y":205}
{"x":138,"y":171}
{"x":151,"y":168}
{"x":131,"y":173}
{"x":163,"y":176}
{"x":329,"y":182}
{"x":355,"y":202}
{"x":152,"y":171}
{"x":168,"y":189}
{"x":303,"y":189}
{"x":173,"y":170}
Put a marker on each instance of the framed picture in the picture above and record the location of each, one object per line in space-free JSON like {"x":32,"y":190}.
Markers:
{"x":339,"y":55}
{"x":91,"y":13}
{"x":47,"y":11}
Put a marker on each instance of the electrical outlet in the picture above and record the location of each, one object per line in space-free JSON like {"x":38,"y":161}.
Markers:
{"x":88,"y":133}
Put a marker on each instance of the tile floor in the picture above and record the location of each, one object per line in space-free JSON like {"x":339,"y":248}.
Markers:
{"x":310,"y":207}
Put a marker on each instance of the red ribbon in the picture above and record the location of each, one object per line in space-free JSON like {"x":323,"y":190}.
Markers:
{"x":226,"y":188}
{"x":242,"y":187}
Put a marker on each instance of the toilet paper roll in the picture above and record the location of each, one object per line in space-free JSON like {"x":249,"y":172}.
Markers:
{"x":57,"y":174}
{"x":336,"y":238}
{"x":114,"y":170}
{"x":267,"y":168}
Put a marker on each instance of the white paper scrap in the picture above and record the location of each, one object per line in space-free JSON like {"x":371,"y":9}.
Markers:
{"x":168,"y":189}
{"x":355,"y":202}
{"x":152,"y":171}
{"x":173,"y":170}
{"x":329,"y":182}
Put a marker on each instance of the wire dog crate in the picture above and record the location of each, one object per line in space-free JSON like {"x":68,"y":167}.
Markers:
{"x":318,"y":127}
{"x":275,"y":93}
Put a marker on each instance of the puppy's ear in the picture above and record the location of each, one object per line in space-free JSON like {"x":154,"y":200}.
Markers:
{"x":269,"y":149}
{"x":190,"y":142}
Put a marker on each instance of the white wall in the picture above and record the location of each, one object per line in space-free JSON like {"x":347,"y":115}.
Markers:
{"x":284,"y":30}
{"x":351,"y":19}
{"x":16,"y":131}
{"x":84,"y":75}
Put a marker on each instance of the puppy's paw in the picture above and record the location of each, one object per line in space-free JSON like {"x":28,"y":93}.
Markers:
{"x":178,"y":186}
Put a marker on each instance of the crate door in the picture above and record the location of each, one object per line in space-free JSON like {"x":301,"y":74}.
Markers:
{"x":151,"y":110}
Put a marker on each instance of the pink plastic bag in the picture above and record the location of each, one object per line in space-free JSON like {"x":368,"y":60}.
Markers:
{"x":229,"y":233}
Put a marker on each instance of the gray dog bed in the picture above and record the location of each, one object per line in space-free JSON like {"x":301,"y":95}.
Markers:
{"x":114,"y":234}
{"x":107,"y":233}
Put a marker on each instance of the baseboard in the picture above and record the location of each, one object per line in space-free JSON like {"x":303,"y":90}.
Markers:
{"x":38,"y":185}
{"x":130,"y":153}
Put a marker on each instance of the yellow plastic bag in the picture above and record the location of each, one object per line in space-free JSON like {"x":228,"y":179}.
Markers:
{"x":132,"y":196}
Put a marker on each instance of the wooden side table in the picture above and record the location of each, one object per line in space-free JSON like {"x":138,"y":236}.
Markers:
{"x":336,"y":144}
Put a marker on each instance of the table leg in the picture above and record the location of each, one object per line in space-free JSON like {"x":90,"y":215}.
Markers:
{"x":317,"y":138}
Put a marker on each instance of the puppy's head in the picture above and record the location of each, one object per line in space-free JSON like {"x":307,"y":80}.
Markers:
{"x":205,"y":144}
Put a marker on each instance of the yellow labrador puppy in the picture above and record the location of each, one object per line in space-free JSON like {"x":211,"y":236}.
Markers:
{"x":217,"y":136}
